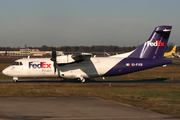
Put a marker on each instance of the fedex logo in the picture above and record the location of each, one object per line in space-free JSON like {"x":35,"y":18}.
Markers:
{"x":157,"y":43}
{"x":40,"y":65}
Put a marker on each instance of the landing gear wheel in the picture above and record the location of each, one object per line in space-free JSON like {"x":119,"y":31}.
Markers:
{"x":15,"y":79}
{"x":81,"y":80}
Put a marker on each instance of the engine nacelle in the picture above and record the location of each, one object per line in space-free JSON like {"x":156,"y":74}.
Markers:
{"x":65,"y":59}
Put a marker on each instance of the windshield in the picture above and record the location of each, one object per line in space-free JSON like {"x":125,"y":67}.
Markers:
{"x":17,"y":63}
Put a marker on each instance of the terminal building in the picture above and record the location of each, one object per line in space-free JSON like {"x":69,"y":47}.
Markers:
{"x":27,"y":52}
{"x":30,"y":52}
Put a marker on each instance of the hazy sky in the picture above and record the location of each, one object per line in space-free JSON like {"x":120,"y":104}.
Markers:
{"x":85,"y":22}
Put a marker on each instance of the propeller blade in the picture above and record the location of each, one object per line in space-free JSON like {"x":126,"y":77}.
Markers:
{"x":54,"y":57}
{"x":53,"y":53}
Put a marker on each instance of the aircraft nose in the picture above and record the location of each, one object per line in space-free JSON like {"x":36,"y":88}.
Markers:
{"x":5,"y":71}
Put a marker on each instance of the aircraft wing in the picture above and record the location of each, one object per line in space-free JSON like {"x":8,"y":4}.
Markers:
{"x":75,"y":58}
{"x":81,"y":56}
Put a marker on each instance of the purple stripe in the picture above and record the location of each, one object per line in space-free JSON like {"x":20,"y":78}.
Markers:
{"x":136,"y":64}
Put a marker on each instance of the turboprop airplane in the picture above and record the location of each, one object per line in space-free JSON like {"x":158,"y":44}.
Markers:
{"x":170,"y":54}
{"x":82,"y":66}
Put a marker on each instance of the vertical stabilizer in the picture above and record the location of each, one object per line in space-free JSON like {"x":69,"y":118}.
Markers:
{"x":155,"y":46}
{"x":173,"y":50}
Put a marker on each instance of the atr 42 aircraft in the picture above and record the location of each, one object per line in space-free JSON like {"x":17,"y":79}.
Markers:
{"x":82,"y":66}
{"x":170,"y":54}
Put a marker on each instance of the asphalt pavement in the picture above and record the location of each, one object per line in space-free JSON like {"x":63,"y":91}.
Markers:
{"x":86,"y":108}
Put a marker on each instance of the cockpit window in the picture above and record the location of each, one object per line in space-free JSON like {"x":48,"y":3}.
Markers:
{"x":17,"y":63}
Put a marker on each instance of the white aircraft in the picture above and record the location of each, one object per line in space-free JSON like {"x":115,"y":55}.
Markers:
{"x":82,"y":66}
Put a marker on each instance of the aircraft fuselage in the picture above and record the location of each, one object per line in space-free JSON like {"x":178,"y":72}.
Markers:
{"x":99,"y":66}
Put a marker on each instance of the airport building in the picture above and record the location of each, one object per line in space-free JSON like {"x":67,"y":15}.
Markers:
{"x":2,"y":53}
{"x":27,"y":52}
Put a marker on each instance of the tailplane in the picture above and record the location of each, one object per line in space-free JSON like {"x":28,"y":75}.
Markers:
{"x":155,"y":46}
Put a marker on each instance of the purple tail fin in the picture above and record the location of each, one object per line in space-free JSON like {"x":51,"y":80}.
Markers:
{"x":155,"y":46}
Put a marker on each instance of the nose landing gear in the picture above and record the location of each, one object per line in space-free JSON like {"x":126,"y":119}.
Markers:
{"x":15,"y":79}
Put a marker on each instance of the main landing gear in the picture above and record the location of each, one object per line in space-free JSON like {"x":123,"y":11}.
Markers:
{"x":81,"y":79}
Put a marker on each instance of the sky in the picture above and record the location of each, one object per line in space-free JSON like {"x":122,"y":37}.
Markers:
{"x":85,"y":22}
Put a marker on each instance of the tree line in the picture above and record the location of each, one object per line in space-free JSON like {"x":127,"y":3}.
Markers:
{"x":99,"y":48}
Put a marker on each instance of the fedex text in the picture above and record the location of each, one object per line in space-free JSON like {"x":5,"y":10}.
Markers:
{"x":157,"y":43}
{"x":40,"y":65}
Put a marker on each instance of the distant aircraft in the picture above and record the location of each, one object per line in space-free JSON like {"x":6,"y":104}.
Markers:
{"x":170,"y":54}
{"x":82,"y":66}
{"x":177,"y":54}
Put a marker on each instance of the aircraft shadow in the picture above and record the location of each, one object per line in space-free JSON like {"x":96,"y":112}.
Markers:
{"x":158,"y":80}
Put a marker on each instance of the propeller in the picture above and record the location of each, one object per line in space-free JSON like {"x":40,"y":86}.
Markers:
{"x":54,"y":58}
